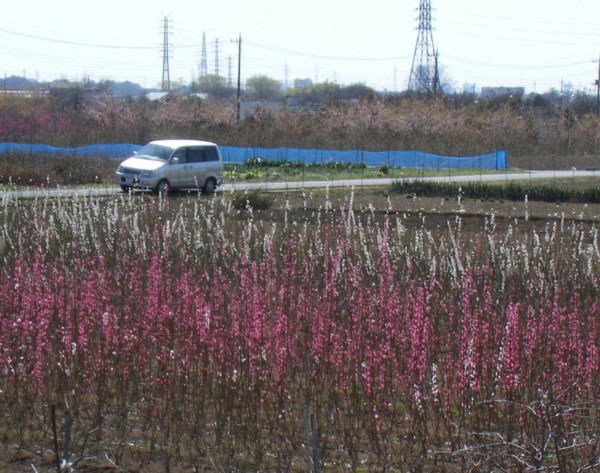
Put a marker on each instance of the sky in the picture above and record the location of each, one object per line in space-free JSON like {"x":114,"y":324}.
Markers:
{"x":536,"y":44}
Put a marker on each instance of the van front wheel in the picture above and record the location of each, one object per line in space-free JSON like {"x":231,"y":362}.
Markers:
{"x":163,"y":187}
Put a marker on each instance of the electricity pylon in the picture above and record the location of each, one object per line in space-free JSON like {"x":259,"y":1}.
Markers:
{"x":166,"y":74}
{"x":203,"y":58}
{"x":424,"y":77}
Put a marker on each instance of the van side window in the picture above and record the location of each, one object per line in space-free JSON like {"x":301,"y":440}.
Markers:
{"x":211,"y":153}
{"x":180,"y":153}
{"x":195,"y":155}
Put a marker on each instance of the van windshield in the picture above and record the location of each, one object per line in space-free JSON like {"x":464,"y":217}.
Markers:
{"x":156,"y":152}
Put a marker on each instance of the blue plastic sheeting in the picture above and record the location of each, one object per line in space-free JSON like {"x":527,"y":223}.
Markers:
{"x":395,"y":159}
{"x":121,"y":150}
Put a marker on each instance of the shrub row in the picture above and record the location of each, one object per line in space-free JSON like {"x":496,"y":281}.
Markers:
{"x":435,"y":126}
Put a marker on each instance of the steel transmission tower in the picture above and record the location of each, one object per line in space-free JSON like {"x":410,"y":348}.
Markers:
{"x":203,"y":59}
{"x":217,"y":65}
{"x":166,"y":74}
{"x":229,"y":71}
{"x":424,"y":76}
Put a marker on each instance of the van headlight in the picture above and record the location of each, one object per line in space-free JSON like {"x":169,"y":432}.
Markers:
{"x":149,"y":174}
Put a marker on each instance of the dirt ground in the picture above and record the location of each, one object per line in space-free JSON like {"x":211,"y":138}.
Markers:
{"x":436,"y":211}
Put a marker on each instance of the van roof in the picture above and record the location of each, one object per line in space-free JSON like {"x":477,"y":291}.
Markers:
{"x":179,"y":143}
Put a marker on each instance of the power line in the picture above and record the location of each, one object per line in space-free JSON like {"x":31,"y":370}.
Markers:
{"x":466,"y":26}
{"x":322,"y":56}
{"x":462,"y":13}
{"x":72,"y":43}
{"x":514,"y":39}
{"x":513,"y":66}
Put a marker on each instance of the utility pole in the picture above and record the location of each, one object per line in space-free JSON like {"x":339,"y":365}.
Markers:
{"x":597,"y":84}
{"x":166,"y":74}
{"x":436,"y":74}
{"x":239,"y":78}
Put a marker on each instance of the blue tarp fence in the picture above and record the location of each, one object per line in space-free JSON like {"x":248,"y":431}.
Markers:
{"x":394,"y":159}
{"x":117,"y":151}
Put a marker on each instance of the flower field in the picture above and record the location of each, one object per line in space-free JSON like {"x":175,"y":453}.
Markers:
{"x":181,"y":334}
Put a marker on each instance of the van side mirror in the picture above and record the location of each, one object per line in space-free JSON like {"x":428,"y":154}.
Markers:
{"x":174,"y":160}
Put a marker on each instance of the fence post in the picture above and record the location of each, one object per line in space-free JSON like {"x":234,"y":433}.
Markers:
{"x":309,"y":459}
{"x":67,"y":441}
{"x":362,"y":167}
{"x":315,"y":439}
{"x":55,"y":436}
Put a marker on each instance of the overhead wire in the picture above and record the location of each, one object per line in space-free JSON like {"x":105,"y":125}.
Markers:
{"x":256,"y":61}
{"x":72,"y":43}
{"x":513,"y":65}
{"x":323,"y":56}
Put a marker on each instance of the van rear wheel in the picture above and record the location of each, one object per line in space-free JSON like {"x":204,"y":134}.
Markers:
{"x":210,"y":186}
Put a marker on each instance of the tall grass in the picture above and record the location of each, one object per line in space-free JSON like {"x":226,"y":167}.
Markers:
{"x":189,"y":333}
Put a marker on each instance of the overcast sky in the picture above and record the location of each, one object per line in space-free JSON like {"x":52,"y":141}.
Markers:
{"x":537,"y":44}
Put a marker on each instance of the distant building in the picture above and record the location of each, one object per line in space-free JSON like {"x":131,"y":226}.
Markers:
{"x":469,"y":88}
{"x":302,"y":83}
{"x":156,"y":95}
{"x":28,"y":94}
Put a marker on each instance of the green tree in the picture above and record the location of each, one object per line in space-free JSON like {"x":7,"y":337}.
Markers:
{"x":214,"y":85}
{"x":263,"y":88}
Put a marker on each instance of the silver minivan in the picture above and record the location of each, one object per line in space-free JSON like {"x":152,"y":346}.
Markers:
{"x":165,"y":165}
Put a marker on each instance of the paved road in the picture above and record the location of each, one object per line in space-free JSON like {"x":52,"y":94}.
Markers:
{"x":388,"y":181}
{"x":295,"y":185}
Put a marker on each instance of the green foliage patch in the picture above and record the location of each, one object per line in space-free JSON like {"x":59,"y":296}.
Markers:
{"x":258,"y":162}
{"x":504,"y":191}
